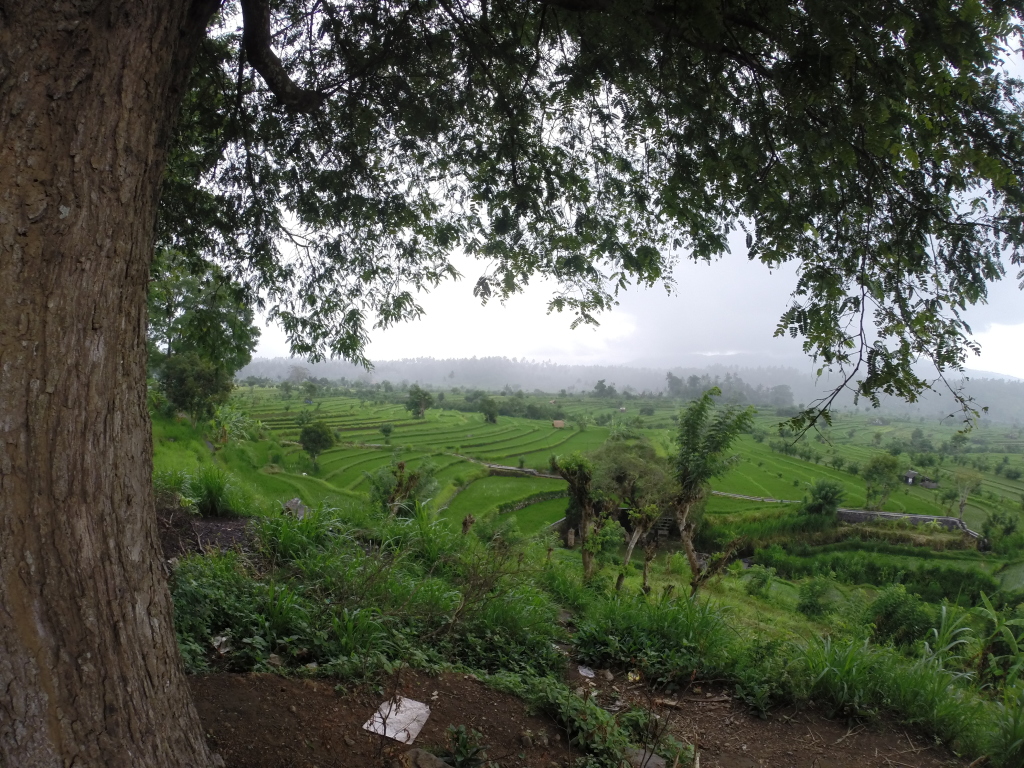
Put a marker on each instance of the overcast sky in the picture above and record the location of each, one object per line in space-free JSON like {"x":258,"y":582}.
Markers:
{"x":725,"y":312}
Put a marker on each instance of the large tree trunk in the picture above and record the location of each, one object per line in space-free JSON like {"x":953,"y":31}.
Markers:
{"x":89,"y":669}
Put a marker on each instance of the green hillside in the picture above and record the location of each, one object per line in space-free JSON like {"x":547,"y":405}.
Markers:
{"x":890,"y":582}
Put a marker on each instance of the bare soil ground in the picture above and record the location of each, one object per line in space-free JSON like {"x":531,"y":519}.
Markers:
{"x":182,"y":533}
{"x":728,"y":735}
{"x":266,"y":721}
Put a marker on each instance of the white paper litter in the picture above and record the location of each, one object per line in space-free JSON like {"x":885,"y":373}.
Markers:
{"x":586,"y":671}
{"x":400,"y":719}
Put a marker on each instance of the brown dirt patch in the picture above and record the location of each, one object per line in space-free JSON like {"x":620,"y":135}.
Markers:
{"x":182,"y":533}
{"x":266,"y":721}
{"x":729,"y":735}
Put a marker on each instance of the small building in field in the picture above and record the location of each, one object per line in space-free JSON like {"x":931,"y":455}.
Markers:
{"x":558,"y":424}
{"x":622,"y":410}
{"x":916,"y":478}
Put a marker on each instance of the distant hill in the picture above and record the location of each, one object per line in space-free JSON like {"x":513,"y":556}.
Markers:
{"x":1003,"y":395}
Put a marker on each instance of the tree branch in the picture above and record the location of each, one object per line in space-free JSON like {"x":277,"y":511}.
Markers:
{"x":582,"y":6}
{"x":256,"y":39}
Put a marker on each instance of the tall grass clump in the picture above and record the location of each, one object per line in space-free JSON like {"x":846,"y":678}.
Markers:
{"x":852,"y":678}
{"x":209,"y":490}
{"x":840,"y":674}
{"x":668,"y":641}
{"x":927,"y":694}
{"x":1005,"y":744}
{"x":288,"y":538}
{"x":565,"y":583}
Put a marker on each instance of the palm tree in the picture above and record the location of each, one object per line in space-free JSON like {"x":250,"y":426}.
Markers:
{"x":705,"y":435}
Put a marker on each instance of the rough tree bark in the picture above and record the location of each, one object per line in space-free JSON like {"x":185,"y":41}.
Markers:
{"x":89,"y":669}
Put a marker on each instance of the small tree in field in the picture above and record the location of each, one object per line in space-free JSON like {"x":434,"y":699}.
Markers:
{"x":881,"y":475}
{"x":824,"y":499}
{"x":585,"y":506}
{"x":316,"y":438}
{"x":638,"y":480}
{"x":419,"y":401}
{"x":705,"y":435}
{"x":489,"y":408}
{"x":967,"y":482}
{"x":386,"y":429}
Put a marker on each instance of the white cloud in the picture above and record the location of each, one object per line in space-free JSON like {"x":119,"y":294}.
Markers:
{"x":720,"y":313}
{"x":1002,"y":350}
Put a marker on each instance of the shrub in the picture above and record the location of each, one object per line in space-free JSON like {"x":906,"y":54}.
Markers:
{"x":812,"y":597}
{"x":759,"y":583}
{"x":763,"y":674}
{"x":825,"y":498}
{"x":898,"y":617}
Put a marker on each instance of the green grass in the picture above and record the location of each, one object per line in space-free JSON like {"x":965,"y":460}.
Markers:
{"x":537,"y":517}
{"x":485,"y":495}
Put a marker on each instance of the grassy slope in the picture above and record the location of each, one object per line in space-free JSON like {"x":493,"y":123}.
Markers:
{"x":281,"y":470}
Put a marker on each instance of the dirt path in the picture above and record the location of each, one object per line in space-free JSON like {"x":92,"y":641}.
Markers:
{"x":266,"y":721}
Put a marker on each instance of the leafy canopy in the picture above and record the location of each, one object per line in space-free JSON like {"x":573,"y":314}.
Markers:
{"x":633,"y":475}
{"x":332,"y":160}
{"x":419,"y":401}
{"x":195,"y":384}
{"x":882,"y":477}
{"x":315,"y":438}
{"x":195,"y":307}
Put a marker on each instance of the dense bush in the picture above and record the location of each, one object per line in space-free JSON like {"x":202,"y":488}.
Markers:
{"x":813,"y":597}
{"x":932,"y":583}
{"x":824,"y":498}
{"x":898,"y":617}
{"x":759,"y":582}
{"x":348,"y":586}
